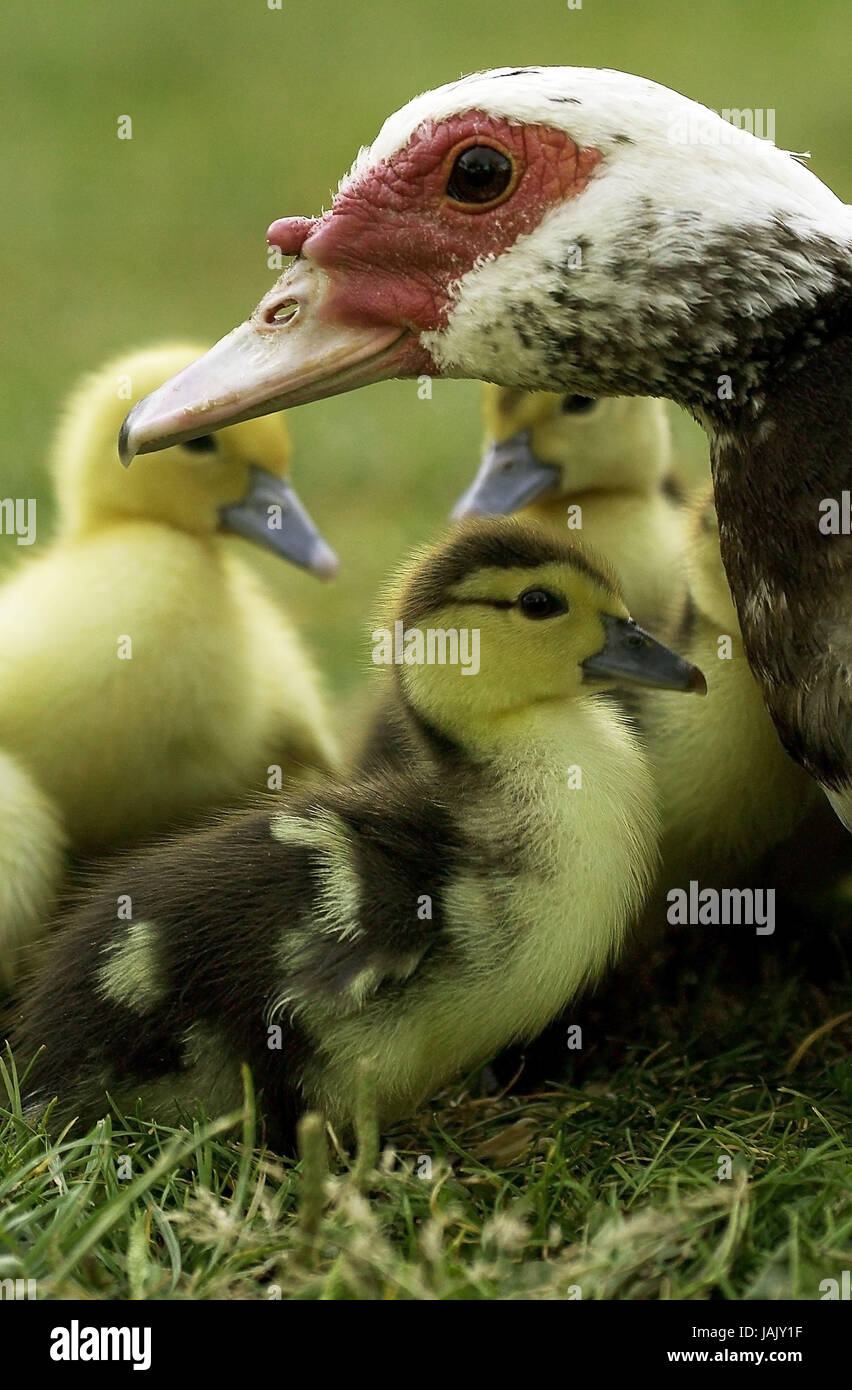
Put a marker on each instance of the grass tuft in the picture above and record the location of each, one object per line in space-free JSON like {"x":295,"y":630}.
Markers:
{"x":682,"y":1161}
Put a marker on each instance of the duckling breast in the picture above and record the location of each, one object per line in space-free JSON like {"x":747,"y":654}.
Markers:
{"x":558,"y":850}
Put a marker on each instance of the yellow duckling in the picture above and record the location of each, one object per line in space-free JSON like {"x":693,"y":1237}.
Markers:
{"x":728,"y":790}
{"x":32,"y":861}
{"x":145,"y":673}
{"x":602,"y":468}
{"x":422,"y":916}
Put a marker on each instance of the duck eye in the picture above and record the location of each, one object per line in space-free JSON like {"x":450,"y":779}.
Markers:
{"x":204,"y":444}
{"x":541,"y":603}
{"x":576,"y":405}
{"x":479,"y":175}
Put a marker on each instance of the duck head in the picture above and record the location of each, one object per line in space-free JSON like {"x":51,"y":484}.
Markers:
{"x":539,"y":444}
{"x":236,"y":481}
{"x":546,"y":228}
{"x":518,"y":618}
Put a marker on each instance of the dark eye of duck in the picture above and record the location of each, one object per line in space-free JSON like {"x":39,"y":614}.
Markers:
{"x":480,"y":174}
{"x":575,"y":405}
{"x":204,"y":444}
{"x":541,"y":603}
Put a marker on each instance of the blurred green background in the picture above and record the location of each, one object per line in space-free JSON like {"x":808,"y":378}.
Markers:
{"x":241,"y":113}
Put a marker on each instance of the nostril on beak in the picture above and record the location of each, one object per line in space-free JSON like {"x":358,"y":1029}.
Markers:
{"x":282,"y":313}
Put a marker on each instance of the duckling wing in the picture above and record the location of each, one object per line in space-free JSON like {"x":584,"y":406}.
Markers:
{"x":387,"y":740}
{"x":232,"y":944}
{"x":156,"y":984}
{"x":377,"y":908}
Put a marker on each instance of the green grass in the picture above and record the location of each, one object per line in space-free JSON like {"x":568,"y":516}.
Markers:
{"x":606,"y":1186}
{"x":241,"y":113}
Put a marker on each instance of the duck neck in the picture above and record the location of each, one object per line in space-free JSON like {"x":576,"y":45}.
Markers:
{"x":550,"y":737}
{"x":764,"y":297}
{"x":782,"y":487}
{"x":773,"y":356}
{"x":546,"y":733}
{"x":769,"y":376}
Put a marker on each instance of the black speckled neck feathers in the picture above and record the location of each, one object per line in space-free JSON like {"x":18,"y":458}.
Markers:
{"x":704,"y":317}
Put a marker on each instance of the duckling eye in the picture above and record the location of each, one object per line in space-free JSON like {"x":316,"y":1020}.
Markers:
{"x":541,"y":603}
{"x":479,"y":175}
{"x":576,"y":405}
{"x":204,"y":444}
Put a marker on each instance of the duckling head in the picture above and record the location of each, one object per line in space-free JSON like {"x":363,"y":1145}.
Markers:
{"x":505,"y":616}
{"x":236,"y":481}
{"x":539,"y":444}
{"x":708,"y":583}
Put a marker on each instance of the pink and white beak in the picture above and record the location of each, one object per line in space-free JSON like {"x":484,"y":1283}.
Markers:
{"x":294,"y":348}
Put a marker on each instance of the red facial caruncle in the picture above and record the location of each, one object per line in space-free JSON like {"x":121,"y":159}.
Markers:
{"x":401,"y":233}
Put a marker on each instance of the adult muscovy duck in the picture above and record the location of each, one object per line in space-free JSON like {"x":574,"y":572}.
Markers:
{"x":587,"y":230}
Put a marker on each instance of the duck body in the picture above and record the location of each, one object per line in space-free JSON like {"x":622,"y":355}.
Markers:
{"x":421,"y":917}
{"x":728,"y":791}
{"x":590,"y":231}
{"x":730,"y":797}
{"x":198,"y":681}
{"x":32,"y":861}
{"x":227,"y":962}
{"x":527,"y":871}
